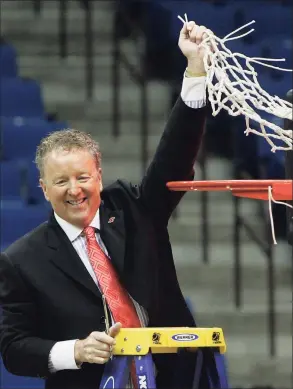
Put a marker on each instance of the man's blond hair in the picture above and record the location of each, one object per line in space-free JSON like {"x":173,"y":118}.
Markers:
{"x":67,"y":140}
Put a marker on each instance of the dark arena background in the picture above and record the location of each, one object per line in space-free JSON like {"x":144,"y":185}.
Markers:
{"x":113,"y":68}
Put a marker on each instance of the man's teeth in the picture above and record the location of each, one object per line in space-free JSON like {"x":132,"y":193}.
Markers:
{"x":76,"y":202}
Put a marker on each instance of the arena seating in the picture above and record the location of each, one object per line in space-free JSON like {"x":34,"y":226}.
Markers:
{"x":21,"y":97}
{"x":11,"y":180}
{"x":8,"y":63}
{"x":23,"y":122}
{"x":21,"y":137}
{"x":27,"y":217}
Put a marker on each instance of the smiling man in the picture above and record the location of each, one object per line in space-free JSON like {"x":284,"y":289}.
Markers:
{"x":71,"y":176}
{"x":110,"y":242}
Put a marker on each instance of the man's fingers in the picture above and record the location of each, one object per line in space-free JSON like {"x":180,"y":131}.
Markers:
{"x":114,"y":330}
{"x":101,"y":361}
{"x":207,"y":33}
{"x":190,"y":26}
{"x":108,"y":339}
{"x":193,"y":33}
{"x":98,"y":360}
{"x":104,"y":346}
{"x":103,"y":338}
{"x":186,"y":29}
{"x":184,"y":32}
{"x":102,"y":354}
{"x":199,"y":34}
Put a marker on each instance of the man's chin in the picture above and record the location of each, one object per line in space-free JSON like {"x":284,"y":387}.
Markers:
{"x":78,"y":217}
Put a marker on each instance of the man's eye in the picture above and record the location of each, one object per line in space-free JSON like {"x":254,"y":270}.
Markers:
{"x":60,"y":182}
{"x":83,"y":179}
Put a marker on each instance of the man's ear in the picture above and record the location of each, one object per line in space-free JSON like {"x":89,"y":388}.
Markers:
{"x":44,"y":188}
{"x":100,"y":179}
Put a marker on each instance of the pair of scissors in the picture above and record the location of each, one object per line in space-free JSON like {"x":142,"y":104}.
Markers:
{"x":107,"y":322}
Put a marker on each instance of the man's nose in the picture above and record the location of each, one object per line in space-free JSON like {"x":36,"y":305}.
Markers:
{"x":74,"y":189}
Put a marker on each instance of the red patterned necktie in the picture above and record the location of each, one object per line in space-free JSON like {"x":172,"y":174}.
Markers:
{"x":118,"y":300}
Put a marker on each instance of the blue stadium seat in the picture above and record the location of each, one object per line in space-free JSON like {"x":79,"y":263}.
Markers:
{"x":19,"y":181}
{"x":21,"y":97}
{"x":10,"y":381}
{"x":20,"y":138}
{"x":57,"y":125}
{"x":20,"y":141}
{"x":12,"y":180}
{"x":35,"y":192}
{"x":17,"y":221}
{"x":8,"y":61}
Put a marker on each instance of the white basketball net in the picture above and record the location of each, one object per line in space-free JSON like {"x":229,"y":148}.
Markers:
{"x":237,"y":90}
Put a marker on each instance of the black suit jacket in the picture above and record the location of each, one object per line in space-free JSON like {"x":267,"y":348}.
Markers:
{"x":47,"y":294}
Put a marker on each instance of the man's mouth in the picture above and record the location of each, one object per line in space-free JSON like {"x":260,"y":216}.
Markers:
{"x":76,"y":202}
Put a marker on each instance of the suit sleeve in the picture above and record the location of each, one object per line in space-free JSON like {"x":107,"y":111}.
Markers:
{"x":174,"y":158}
{"x":23,"y":352}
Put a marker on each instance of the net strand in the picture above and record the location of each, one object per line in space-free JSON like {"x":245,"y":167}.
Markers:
{"x":237,"y":90}
{"x":237,"y":30}
{"x":272,"y":200}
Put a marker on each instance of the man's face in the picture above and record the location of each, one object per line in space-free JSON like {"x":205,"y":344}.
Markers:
{"x":72,"y":184}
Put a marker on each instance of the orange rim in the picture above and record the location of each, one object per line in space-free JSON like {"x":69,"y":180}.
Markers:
{"x":255,"y":189}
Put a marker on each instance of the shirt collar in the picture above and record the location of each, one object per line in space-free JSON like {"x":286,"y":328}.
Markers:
{"x":72,"y":231}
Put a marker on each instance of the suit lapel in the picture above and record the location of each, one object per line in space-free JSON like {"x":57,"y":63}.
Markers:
{"x":113,"y":235}
{"x":66,"y":258}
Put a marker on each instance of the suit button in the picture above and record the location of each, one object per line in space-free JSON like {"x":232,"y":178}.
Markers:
{"x":102,"y":320}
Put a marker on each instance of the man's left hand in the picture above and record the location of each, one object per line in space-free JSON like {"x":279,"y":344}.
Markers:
{"x":191,"y":36}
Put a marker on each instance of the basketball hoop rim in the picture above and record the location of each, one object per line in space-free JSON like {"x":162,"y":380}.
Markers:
{"x":257,"y":189}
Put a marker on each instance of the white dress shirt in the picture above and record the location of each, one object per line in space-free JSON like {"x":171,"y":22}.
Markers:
{"x":193,"y":93}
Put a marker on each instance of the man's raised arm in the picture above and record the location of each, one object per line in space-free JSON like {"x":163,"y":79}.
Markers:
{"x":178,"y":148}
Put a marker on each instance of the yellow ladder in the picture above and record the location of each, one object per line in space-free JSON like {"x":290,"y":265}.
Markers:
{"x":139,"y":344}
{"x":140,"y":341}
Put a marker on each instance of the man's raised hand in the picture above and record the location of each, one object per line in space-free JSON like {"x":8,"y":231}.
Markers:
{"x":191,"y":36}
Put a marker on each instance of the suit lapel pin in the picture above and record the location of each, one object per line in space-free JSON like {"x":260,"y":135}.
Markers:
{"x":111,"y":220}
